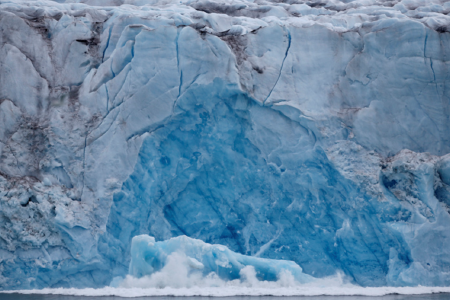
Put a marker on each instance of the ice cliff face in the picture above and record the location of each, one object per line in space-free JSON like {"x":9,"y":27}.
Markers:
{"x":308,"y":131}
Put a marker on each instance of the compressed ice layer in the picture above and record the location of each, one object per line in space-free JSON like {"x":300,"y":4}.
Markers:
{"x":149,"y":257}
{"x":271,"y":128}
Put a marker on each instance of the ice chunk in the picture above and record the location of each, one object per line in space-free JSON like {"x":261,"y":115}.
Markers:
{"x":274,"y":129}
{"x":149,"y":257}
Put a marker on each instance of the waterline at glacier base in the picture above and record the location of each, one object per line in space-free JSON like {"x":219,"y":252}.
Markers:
{"x":303,"y":145}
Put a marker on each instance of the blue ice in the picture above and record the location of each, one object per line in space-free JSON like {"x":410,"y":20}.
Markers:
{"x":149,"y":257}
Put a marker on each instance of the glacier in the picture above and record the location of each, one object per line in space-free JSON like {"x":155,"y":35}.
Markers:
{"x":314,"y":132}
{"x":183,"y":261}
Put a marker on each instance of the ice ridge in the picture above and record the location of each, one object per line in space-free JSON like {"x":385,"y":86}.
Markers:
{"x":188,"y":258}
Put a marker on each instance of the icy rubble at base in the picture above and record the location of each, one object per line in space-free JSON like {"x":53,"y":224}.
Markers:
{"x":185,"y":262}
{"x":276,"y":129}
{"x":229,"y":291}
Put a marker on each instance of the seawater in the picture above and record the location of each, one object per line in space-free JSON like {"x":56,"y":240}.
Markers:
{"x":440,"y":296}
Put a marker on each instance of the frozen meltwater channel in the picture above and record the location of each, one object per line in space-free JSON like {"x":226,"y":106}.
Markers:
{"x":305,"y":143}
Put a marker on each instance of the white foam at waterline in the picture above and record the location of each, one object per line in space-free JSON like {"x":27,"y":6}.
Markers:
{"x":176,"y":278}
{"x":243,"y":291}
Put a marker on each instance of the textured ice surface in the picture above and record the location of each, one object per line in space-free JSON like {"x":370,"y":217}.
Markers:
{"x":315,"y":132}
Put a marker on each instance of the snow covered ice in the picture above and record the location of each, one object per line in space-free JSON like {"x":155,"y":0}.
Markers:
{"x":312,"y":135}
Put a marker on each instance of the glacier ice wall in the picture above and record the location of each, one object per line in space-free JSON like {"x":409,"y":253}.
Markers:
{"x":314,"y":132}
